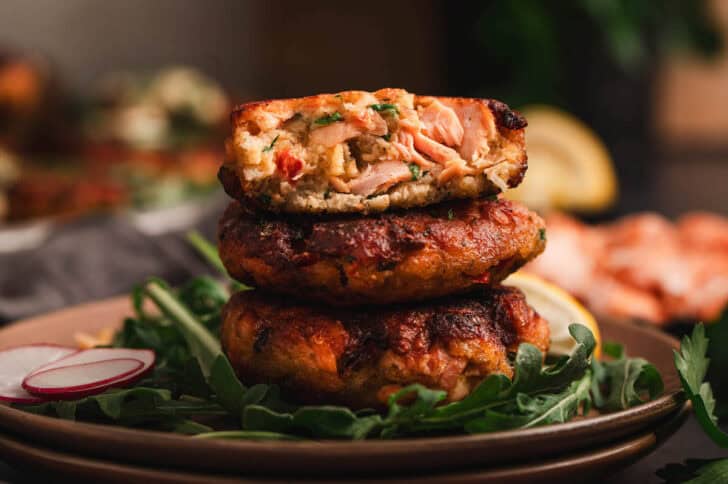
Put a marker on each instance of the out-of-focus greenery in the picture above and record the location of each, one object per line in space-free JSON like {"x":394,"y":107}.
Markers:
{"x":535,"y":46}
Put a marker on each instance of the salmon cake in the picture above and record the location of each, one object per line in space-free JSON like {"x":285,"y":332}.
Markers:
{"x":361,"y":152}
{"x":359,"y":357}
{"x":396,"y":256}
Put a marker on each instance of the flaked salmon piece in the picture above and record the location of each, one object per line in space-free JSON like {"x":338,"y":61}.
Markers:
{"x":454,"y":169}
{"x":471,"y":147}
{"x":478,"y":127}
{"x":437,"y":152}
{"x":442,"y":124}
{"x":334,"y":134}
{"x":404,"y":145}
{"x":381,"y":175}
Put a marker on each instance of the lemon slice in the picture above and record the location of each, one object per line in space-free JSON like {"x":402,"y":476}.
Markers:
{"x":568,"y":165}
{"x":558,"y":308}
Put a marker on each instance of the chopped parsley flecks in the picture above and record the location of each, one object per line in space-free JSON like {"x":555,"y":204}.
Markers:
{"x":415,"y":170}
{"x":331,"y":118}
{"x":542,"y":234}
{"x":271,"y":145}
{"x":450,"y":214}
{"x":387,"y":137}
{"x":385,"y":108}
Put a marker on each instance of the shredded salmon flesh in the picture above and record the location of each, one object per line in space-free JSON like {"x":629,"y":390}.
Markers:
{"x":351,"y":142}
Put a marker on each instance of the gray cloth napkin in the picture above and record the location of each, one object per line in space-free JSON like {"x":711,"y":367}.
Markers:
{"x":94,"y":258}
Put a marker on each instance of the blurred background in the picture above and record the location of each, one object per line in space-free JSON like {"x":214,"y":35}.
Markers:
{"x":113,"y":117}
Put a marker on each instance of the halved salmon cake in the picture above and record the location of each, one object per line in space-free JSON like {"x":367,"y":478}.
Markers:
{"x":359,"y":357}
{"x":366,"y":152}
{"x":396,"y":256}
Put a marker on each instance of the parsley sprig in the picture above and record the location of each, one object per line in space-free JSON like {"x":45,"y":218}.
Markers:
{"x":329,"y":119}
{"x":692,"y":366}
{"x":385,"y":108}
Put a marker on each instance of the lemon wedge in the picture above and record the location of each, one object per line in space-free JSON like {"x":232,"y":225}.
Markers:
{"x":558,"y":308}
{"x":568,"y":165}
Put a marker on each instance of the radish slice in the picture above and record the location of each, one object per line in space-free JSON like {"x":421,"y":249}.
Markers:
{"x":82,"y":379}
{"x":56,"y":379}
{"x":99,"y":354}
{"x":17,"y":362}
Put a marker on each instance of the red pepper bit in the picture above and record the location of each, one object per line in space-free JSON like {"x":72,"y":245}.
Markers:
{"x":288,"y":165}
{"x":483,"y":278}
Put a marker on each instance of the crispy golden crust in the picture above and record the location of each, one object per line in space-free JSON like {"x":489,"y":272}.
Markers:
{"x":354,"y":152}
{"x":380,"y":259}
{"x":359,"y":357}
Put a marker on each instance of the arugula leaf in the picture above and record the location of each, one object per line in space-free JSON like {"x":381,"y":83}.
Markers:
{"x":334,"y":422}
{"x":532,"y":378}
{"x":401,"y":418}
{"x":203,"y":346}
{"x":531,"y":411}
{"x":695,"y":471}
{"x":209,"y":252}
{"x":246,"y":435}
{"x":325,"y":421}
{"x":624,"y":382}
{"x":497,"y":392}
{"x":692,"y":365}
{"x":329,"y":119}
{"x":206,"y":250}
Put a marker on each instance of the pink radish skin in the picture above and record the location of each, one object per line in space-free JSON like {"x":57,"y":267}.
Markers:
{"x":99,"y":354}
{"x":83,"y":379}
{"x":92,"y":356}
{"x":18,"y":361}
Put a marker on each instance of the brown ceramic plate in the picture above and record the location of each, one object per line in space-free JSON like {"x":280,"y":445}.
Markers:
{"x":330,"y":458}
{"x":594,"y":463}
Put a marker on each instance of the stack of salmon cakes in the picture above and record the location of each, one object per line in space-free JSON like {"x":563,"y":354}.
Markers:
{"x":370,"y":227}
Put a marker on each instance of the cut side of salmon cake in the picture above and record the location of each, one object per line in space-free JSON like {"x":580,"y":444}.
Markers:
{"x":362,"y":152}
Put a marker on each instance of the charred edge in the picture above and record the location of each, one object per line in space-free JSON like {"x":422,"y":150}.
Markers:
{"x":261,"y":338}
{"x":516,"y":180}
{"x":343,"y":278}
{"x":365,"y":343}
{"x":230,"y":183}
{"x":505,"y":117}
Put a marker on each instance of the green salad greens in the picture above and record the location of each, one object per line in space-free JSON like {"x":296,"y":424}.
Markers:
{"x":693,"y":366}
{"x":194,"y":390}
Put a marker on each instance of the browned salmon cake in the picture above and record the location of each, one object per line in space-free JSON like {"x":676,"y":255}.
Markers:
{"x":359,"y":357}
{"x":397,"y":256}
{"x":364,"y":152}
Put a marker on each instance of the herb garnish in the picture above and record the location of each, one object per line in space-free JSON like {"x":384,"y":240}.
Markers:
{"x":331,"y":118}
{"x":692,"y":365}
{"x":450,"y":214}
{"x":415,"y":170}
{"x":385,"y":108}
{"x":387,"y":137}
{"x":542,"y":234}
{"x":271,"y":145}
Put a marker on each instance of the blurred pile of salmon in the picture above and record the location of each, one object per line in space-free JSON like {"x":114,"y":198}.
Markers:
{"x":142,"y":141}
{"x":640,"y":267}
